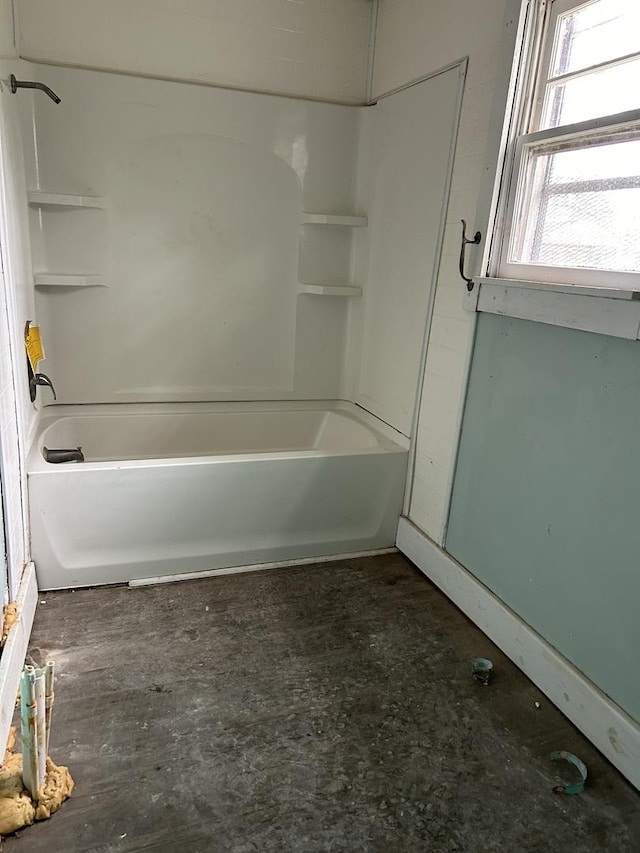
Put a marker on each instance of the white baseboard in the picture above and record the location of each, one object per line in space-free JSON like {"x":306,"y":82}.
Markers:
{"x":613,"y":731}
{"x":15,"y":650}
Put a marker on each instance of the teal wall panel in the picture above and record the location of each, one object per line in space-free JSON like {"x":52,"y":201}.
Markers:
{"x":546,"y":499}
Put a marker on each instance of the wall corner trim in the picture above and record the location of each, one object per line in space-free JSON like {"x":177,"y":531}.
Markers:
{"x":15,"y":650}
{"x":606,"y":725}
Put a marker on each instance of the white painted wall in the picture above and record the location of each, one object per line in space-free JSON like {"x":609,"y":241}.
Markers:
{"x":404,"y":158}
{"x":199,"y":244}
{"x":313,"y":48}
{"x":414,"y":38}
{"x":4,"y":563}
{"x":17,"y":415}
{"x":11,"y":542}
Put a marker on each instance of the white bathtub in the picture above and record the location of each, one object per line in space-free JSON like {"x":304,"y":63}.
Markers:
{"x":176,"y":488}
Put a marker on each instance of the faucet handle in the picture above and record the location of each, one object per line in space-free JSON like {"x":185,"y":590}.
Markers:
{"x":41,"y":379}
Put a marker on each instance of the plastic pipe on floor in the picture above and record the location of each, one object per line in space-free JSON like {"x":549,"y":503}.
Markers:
{"x":28,"y":714}
{"x":49,"y":696}
{"x":41,"y":727}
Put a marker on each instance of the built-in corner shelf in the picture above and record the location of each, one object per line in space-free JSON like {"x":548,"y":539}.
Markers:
{"x":324,"y":254}
{"x":330,"y":289}
{"x":333,"y":219}
{"x":40,"y":199}
{"x":46,"y":279}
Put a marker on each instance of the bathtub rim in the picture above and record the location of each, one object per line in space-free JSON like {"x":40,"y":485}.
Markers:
{"x":389,"y":439}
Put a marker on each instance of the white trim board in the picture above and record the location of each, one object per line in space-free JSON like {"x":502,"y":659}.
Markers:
{"x":15,"y":650}
{"x":603,"y":310}
{"x":606,"y":725}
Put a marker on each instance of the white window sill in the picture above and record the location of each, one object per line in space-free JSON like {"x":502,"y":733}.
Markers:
{"x":604,"y":310}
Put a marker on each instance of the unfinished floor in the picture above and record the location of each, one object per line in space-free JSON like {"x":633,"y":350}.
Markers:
{"x":319,"y":708}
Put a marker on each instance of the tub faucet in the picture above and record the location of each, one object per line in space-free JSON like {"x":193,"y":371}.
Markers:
{"x":71,"y":454}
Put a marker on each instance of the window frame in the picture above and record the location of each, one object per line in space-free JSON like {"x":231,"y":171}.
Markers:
{"x":532,"y":75}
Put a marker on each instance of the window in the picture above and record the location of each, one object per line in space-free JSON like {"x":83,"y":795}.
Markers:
{"x":572,"y":215}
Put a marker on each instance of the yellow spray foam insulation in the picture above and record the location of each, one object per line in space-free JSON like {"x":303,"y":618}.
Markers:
{"x":17,"y":809}
{"x":9,"y":618}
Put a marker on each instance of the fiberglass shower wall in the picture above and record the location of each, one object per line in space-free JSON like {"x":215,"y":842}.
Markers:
{"x":404,"y":168}
{"x":180,"y":273}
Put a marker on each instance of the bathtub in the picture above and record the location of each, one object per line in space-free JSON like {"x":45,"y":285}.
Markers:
{"x":168,"y":489}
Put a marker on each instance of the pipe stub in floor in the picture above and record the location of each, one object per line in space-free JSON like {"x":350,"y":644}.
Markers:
{"x":482,"y":668}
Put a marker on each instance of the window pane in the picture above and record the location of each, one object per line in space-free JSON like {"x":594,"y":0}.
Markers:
{"x":596,"y":32}
{"x":581,"y":208}
{"x":601,"y":93}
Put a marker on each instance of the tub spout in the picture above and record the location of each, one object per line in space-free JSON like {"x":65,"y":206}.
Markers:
{"x":72,"y":454}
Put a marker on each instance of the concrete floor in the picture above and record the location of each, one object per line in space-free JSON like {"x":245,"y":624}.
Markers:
{"x":320,"y":708}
